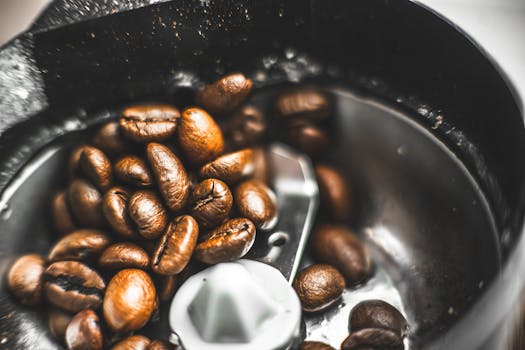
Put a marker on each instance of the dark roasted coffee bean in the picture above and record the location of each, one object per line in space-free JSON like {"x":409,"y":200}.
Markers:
{"x":115,"y":208}
{"x":160,"y":345}
{"x":129,"y":300}
{"x":62,"y":216}
{"x":133,"y":171}
{"x":96,"y":166}
{"x":257,"y":202}
{"x":148,"y":123}
{"x":123,"y":255}
{"x":79,"y":245}
{"x":377,"y":314}
{"x":24,"y":279}
{"x":318,"y":287}
{"x":73,"y":286}
{"x":315,"y":345}
{"x":309,"y":138}
{"x":200,"y":138}
{"x":172,"y":179}
{"x":166,"y":287}
{"x":134,"y":342}
{"x":338,"y":246}
{"x":304,"y":103}
{"x":225,"y":94}
{"x":73,"y":164}
{"x":146,"y":210}
{"x":230,"y":167}
{"x":174,"y":249}
{"x":57,"y":321}
{"x":334,"y":192}
{"x":85,"y":202}
{"x":260,"y":161}
{"x":230,"y":241}
{"x":373,"y":338}
{"x":210,"y":202}
{"x":84,"y":332}
{"x":246,"y":127}
{"x":110,"y":139}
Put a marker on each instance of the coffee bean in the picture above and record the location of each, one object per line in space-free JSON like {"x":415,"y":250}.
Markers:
{"x":73,"y":286}
{"x":84,"y":332}
{"x":146,"y":210}
{"x":377,"y":314}
{"x":173,"y":252}
{"x":134,"y":342}
{"x":96,"y":166}
{"x":109,"y":139}
{"x":57,"y":321}
{"x":304,"y":103}
{"x":257,"y":202}
{"x":225,"y":94}
{"x":318,"y":287}
{"x":373,"y":338}
{"x":200,"y":138}
{"x":230,"y":241}
{"x":133,"y":171}
{"x":73,"y":164}
{"x":148,"y":123}
{"x":129,"y":300}
{"x":24,"y":279}
{"x":79,"y":245}
{"x":170,"y":174}
{"x":260,"y":161}
{"x":334,"y":192}
{"x":85,"y":202}
{"x":210,"y":202}
{"x":166,"y":287}
{"x":160,"y":345}
{"x":338,"y":246}
{"x":62,"y":216}
{"x":123,"y":255}
{"x":310,"y":139}
{"x":246,"y":127}
{"x":115,"y":208}
{"x":230,"y":167}
{"x":315,"y":345}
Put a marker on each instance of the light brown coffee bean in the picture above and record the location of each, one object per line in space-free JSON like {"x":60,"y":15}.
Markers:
{"x":85,"y":202}
{"x":24,"y":279}
{"x":73,"y":164}
{"x":310,"y":139}
{"x":246,"y":127}
{"x":210,"y":202}
{"x":96,"y":166}
{"x":373,"y":338}
{"x":230,"y":167}
{"x":160,"y":345}
{"x":79,"y":245}
{"x":151,"y":122}
{"x":84,"y":332}
{"x":377,"y":314}
{"x":115,"y":207}
{"x":318,"y":287}
{"x":334,"y":192}
{"x":134,"y":342}
{"x":257,"y":202}
{"x":57,"y":321}
{"x":166,"y":287}
{"x":225,"y":94}
{"x":315,"y":345}
{"x":305,"y":103}
{"x":146,"y":210}
{"x":110,"y":140}
{"x":133,"y":171}
{"x":62,"y":216}
{"x":123,"y":255}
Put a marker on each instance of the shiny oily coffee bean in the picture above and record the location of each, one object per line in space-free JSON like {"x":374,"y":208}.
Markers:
{"x":246,"y":127}
{"x":152,"y":122}
{"x":230,"y":241}
{"x":315,"y":345}
{"x":174,"y":249}
{"x":310,"y":139}
{"x":123,"y":255}
{"x":84,"y":332}
{"x":73,"y":163}
{"x":166,"y":287}
{"x":373,"y":338}
{"x":134,"y":342}
{"x":377,"y":314}
{"x":230,"y":167}
{"x":200,"y":138}
{"x":210,"y":202}
{"x":96,"y":166}
{"x":318,"y":287}
{"x":73,"y":286}
{"x":24,"y":279}
{"x":129,"y":300}
{"x":170,"y":174}
{"x":79,"y":245}
{"x":225,"y":94}
{"x":85,"y":202}
{"x":338,"y":246}
{"x":133,"y":171}
{"x":307,"y":103}
{"x":160,"y":345}
{"x":115,"y":207}
{"x":257,"y":202}
{"x":61,"y":214}
{"x":334,"y":192}
{"x":57,"y":321}
{"x":146,"y":210}
{"x":109,"y":139}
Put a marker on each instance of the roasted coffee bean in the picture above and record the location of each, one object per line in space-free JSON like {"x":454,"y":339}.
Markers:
{"x":230,"y":241}
{"x":338,"y":246}
{"x":225,"y":94}
{"x":172,"y":179}
{"x":24,"y":279}
{"x":109,"y":139}
{"x":134,"y":342}
{"x":73,"y":286}
{"x":315,"y":345}
{"x":373,"y":338}
{"x":260,"y":161}
{"x":62,"y":216}
{"x":334,"y":192}
{"x":303,"y":103}
{"x":257,"y":202}
{"x":310,"y":139}
{"x":377,"y":314}
{"x":85,"y":202}
{"x":73,"y":164}
{"x":166,"y":287}
{"x":210,"y":202}
{"x":148,"y":123}
{"x":160,"y":345}
{"x":79,"y":245}
{"x":96,"y":166}
{"x":200,"y":138}
{"x":246,"y":127}
{"x":133,"y":171}
{"x":123,"y":255}
{"x":57,"y":321}
{"x":146,"y":210}
{"x":174,"y":249}
{"x":115,"y":208}
{"x":230,"y":167}
{"x":84,"y":332}
{"x":318,"y":287}
{"x":129,"y":300}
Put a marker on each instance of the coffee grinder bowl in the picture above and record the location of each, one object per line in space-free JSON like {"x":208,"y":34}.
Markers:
{"x":428,"y":131}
